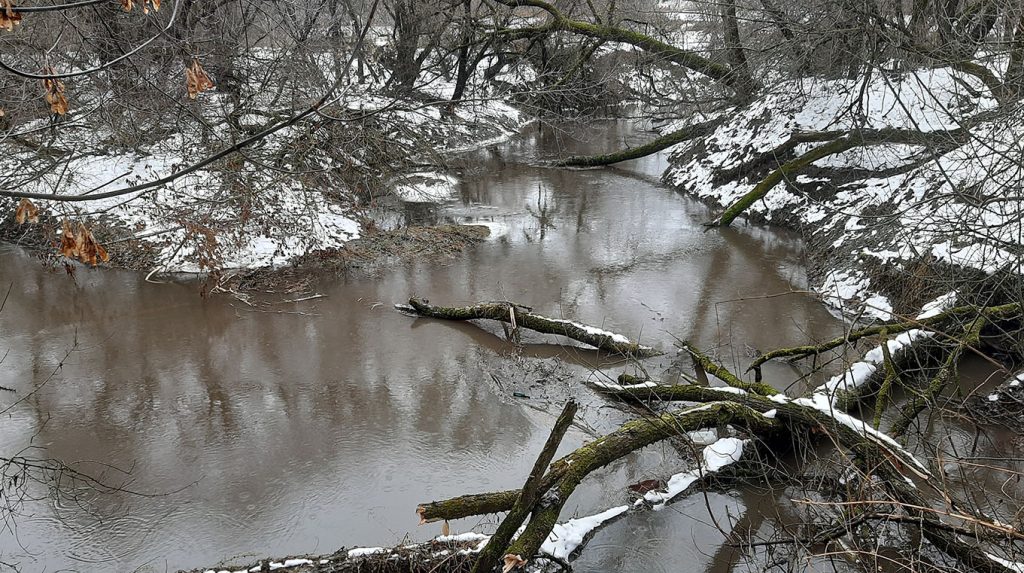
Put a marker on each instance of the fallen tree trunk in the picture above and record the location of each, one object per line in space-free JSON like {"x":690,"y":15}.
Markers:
{"x":664,"y":142}
{"x":874,"y":454}
{"x":844,"y":142}
{"x":725,"y":75}
{"x":629,"y":437}
{"x":893,"y":477}
{"x":961,"y":313}
{"x":522,"y":317}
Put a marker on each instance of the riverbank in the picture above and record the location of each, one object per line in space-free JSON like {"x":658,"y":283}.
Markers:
{"x":267,"y":213}
{"x":923,"y":202}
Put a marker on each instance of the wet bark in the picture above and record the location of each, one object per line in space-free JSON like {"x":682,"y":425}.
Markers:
{"x":526,"y":501}
{"x":520,"y":316}
{"x":664,"y":142}
{"x":844,"y":142}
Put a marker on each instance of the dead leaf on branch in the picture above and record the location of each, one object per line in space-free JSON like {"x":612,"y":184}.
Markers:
{"x":55,"y":92}
{"x":26,"y":212}
{"x":80,"y":244}
{"x":196,"y":80}
{"x":129,"y":4}
{"x":8,"y":17}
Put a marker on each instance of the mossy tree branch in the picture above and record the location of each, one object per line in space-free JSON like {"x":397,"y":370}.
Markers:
{"x":960,"y":313}
{"x":522,"y":317}
{"x":846,"y":142}
{"x":525,"y":503}
{"x":627,"y":438}
{"x":740,"y":84}
{"x":664,"y":142}
{"x":947,"y":373}
{"x":723,"y":373}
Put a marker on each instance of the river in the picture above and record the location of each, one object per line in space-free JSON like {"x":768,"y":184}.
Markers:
{"x":302,"y":427}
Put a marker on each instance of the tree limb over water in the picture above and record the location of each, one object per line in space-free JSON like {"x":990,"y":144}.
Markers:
{"x":520,"y":316}
{"x":664,"y":142}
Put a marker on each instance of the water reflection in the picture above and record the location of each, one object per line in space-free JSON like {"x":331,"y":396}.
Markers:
{"x":302,"y":433}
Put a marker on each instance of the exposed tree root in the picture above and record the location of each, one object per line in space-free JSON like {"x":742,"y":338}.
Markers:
{"x":522,"y":317}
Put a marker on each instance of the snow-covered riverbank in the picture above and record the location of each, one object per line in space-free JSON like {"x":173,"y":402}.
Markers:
{"x":877,"y":210}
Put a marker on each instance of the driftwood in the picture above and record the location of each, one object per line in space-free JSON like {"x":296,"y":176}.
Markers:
{"x":522,"y":317}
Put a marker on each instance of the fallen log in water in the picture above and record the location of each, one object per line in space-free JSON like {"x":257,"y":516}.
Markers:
{"x":872,"y":452}
{"x":519,"y":316}
{"x":884,"y":481}
{"x":525,"y":502}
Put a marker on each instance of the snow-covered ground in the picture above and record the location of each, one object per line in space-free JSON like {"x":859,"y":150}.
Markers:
{"x":892,"y":203}
{"x":244,"y":212}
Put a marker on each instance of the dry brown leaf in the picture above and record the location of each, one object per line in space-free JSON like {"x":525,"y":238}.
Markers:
{"x":68,"y":244}
{"x":147,"y":3}
{"x":55,"y":93}
{"x":127,"y":5}
{"x":81,"y":245}
{"x":26,"y":212}
{"x":8,"y":17}
{"x":511,"y":562}
{"x":196,"y":80}
{"x":445,"y":528}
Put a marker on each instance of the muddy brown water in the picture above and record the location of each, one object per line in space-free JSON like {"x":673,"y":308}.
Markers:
{"x":309,"y":426}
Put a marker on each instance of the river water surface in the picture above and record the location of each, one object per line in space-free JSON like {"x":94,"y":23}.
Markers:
{"x":303,"y":427}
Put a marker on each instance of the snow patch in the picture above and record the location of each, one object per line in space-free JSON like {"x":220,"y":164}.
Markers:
{"x":566,"y":537}
{"x":721,"y":453}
